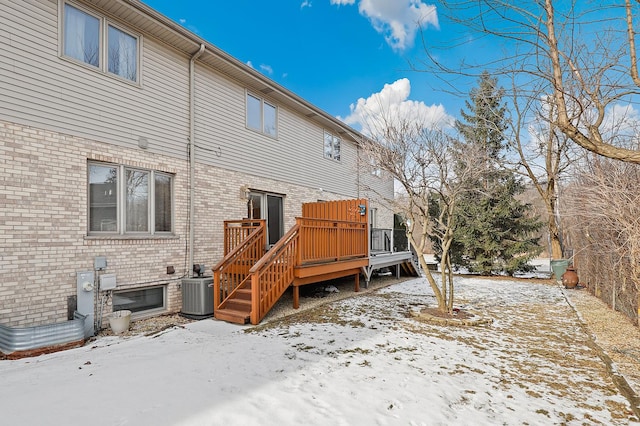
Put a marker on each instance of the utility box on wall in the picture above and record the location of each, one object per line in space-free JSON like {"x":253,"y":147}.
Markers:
{"x":197,"y":297}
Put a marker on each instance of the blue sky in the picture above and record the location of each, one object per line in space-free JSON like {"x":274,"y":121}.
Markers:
{"x":336,"y":54}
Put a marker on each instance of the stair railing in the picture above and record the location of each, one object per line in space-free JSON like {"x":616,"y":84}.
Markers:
{"x":245,"y":243}
{"x":273,"y":274}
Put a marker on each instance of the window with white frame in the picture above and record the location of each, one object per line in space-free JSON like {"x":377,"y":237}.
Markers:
{"x":126,"y":200}
{"x":97,"y":42}
{"x":261,"y":116}
{"x":331,"y":146}
{"x":375,"y":169}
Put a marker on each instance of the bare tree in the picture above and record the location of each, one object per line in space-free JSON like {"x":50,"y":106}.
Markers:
{"x":604,"y":201}
{"x":582,"y":53}
{"x":421,"y":161}
{"x":544,"y":156}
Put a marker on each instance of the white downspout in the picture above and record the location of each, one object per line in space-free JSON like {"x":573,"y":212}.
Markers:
{"x":192,"y":156}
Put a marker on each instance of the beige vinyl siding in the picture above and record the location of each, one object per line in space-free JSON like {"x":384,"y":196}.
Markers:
{"x":87,"y":102}
{"x":295,"y":156}
{"x":39,"y":88}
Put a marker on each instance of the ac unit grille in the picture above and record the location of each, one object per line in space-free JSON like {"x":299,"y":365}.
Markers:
{"x":197,"y":296}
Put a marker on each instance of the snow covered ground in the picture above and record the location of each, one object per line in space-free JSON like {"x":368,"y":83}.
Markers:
{"x":360,"y":361}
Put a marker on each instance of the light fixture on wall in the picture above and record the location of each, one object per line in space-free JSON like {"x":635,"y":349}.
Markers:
{"x":245,"y":192}
{"x":143,"y":142}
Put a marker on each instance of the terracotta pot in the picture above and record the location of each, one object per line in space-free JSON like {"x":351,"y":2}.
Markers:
{"x":570,"y":278}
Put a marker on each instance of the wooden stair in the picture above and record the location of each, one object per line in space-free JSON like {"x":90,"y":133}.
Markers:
{"x":330,"y":240}
{"x":237,"y":309}
{"x":410,"y":268}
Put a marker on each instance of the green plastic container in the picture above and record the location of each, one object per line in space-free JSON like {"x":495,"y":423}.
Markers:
{"x":559,"y":267}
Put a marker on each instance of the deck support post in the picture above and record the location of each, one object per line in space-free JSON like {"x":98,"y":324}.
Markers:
{"x":296,"y":297}
{"x":357,"y":277}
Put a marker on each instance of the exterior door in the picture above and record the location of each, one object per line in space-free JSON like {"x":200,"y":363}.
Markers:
{"x":271,"y":208}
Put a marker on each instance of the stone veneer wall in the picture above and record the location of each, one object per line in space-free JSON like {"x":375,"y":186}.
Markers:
{"x":43,"y":222}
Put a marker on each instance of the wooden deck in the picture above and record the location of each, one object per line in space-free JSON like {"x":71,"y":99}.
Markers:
{"x":330,"y":241}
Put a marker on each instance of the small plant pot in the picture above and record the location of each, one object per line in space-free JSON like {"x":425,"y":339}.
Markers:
{"x":119,"y":321}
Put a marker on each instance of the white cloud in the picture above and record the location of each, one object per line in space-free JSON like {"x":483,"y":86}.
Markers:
{"x":622,"y":125}
{"x":397,"y":20}
{"x":188,"y":26}
{"x":305,"y":3}
{"x":392,"y":103}
{"x":266,"y":69}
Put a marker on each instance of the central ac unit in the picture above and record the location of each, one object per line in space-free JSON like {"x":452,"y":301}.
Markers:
{"x":197,"y":297}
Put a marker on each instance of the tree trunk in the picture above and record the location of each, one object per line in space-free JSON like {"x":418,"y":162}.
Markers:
{"x":554,"y":234}
{"x":440,"y":298}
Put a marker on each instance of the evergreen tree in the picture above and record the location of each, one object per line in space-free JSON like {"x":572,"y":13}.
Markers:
{"x":494,"y":230}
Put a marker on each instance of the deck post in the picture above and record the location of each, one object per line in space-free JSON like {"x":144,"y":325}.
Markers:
{"x":357,"y":282}
{"x":296,"y":297}
{"x":216,"y":289}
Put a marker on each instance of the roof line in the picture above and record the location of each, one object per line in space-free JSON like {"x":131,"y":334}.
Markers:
{"x":214,"y":50}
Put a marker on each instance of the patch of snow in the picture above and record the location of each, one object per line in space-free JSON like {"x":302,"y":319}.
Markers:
{"x":373,"y":365}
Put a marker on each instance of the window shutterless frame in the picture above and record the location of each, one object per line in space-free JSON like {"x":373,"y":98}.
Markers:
{"x":130,"y":201}
{"x":80,"y":35}
{"x":82,"y":30}
{"x":141,"y":301}
{"x":261,"y":115}
{"x":331,"y":146}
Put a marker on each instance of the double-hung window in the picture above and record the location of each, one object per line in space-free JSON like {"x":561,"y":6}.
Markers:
{"x":375,"y":169}
{"x":125,"y":200}
{"x":95,"y":41}
{"x":261,"y":116}
{"x":331,"y":146}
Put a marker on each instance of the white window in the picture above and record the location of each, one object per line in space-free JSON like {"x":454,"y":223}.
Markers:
{"x":125,"y":200}
{"x":95,"y":41}
{"x":122,"y":54}
{"x":81,"y":36}
{"x":375,"y":169}
{"x":331,"y":146}
{"x":262,"y":116}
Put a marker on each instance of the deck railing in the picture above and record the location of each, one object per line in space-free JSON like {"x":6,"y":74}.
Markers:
{"x":381,"y":240}
{"x":311,"y":241}
{"x":400,"y":240}
{"x":237,"y":231}
{"x":324,"y":240}
{"x":386,"y":240}
{"x":233,"y":270}
{"x":273,"y":274}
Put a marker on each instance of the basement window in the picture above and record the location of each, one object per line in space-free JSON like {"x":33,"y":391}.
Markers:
{"x":141,"y":301}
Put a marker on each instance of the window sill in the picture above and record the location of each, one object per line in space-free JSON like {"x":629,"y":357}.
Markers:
{"x":131,"y":237}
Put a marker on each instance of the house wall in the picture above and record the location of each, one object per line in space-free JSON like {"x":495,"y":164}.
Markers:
{"x":39,"y":88}
{"x":43,"y":221}
{"x":56,"y":115}
{"x":98,"y":106}
{"x":295,"y":156}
